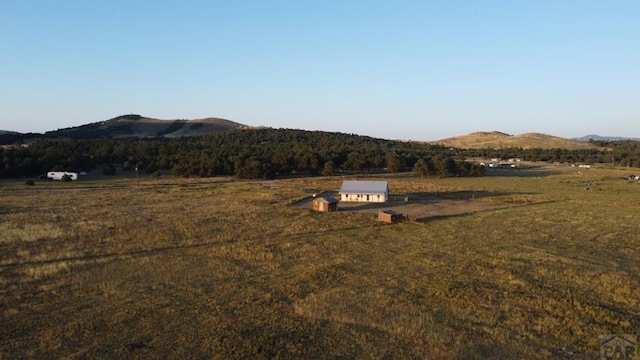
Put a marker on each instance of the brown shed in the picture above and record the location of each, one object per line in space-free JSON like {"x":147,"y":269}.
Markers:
{"x":325,"y":204}
{"x":390,"y":216}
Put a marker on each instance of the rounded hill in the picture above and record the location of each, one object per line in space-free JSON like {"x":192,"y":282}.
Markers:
{"x":500,"y":140}
{"x":134,"y":125}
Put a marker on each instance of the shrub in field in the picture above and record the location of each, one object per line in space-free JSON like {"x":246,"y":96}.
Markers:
{"x":127,"y":166}
{"x":66,"y":178}
{"x":109,"y":169}
{"x":329,"y":168}
{"x":151,"y":168}
{"x":30,"y":182}
{"x":421,"y":167}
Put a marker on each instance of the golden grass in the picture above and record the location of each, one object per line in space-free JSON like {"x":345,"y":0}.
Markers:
{"x":498,"y":140}
{"x":10,"y":233}
{"x":213,"y":268}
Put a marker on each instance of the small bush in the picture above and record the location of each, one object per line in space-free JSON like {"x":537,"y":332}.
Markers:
{"x":30,"y":182}
{"x":66,"y":177}
{"x":127,"y":166}
{"x":109,"y":169}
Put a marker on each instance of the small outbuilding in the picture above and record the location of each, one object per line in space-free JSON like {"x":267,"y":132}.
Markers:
{"x":325,"y":204}
{"x":364,"y":191}
{"x":390,"y":216}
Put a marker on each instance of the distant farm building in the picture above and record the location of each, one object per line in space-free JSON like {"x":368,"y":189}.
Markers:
{"x":364,"y":191}
{"x":390,"y":216}
{"x":500,"y":165}
{"x":325,"y":204}
{"x":505,"y":166}
{"x":58,"y":175}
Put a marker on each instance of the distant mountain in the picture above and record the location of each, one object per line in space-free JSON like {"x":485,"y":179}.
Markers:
{"x":131,"y":125}
{"x":142,"y":127}
{"x":606,"y":138}
{"x":500,"y":140}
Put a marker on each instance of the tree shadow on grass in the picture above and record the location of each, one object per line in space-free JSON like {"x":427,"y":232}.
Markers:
{"x":13,"y":210}
{"x":460,"y":195}
{"x":526,"y":172}
{"x":365,"y":206}
{"x":429,"y":219}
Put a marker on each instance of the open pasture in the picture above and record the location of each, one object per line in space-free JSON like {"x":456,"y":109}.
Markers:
{"x":214,"y":268}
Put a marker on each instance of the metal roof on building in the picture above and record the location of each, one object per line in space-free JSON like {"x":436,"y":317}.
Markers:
{"x":364,"y":187}
{"x":327,"y":199}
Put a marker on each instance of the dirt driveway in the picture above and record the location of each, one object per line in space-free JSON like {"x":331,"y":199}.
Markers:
{"x":419,"y":206}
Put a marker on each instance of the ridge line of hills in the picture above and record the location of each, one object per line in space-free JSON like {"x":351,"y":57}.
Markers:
{"x":500,"y":140}
{"x":131,"y":125}
{"x":138,"y":126}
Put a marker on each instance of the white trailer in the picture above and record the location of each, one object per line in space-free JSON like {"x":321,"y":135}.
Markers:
{"x":57,"y":175}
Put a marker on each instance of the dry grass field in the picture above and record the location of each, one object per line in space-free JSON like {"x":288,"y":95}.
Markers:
{"x":213,"y":268}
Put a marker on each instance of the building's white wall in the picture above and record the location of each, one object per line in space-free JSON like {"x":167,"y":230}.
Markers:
{"x":376,"y":198}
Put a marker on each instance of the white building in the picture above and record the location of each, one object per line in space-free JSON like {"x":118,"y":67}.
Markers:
{"x":364,"y":191}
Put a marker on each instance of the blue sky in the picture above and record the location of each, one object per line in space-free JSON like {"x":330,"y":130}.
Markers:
{"x":420,"y":70}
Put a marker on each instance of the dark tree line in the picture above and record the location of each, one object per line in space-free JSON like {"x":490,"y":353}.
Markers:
{"x":255,"y":153}
{"x":269,"y":153}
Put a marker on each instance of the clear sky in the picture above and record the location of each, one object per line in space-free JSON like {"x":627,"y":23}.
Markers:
{"x":420,"y":70}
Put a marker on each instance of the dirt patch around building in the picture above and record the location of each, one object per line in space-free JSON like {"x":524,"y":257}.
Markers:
{"x":424,"y":207}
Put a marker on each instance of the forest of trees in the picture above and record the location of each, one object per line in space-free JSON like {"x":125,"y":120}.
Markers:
{"x":250,"y":154}
{"x":270,"y":153}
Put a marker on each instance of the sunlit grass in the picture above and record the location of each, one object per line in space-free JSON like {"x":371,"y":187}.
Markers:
{"x":216,"y":268}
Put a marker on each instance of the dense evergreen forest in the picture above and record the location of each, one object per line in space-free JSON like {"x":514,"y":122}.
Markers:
{"x":250,"y":153}
{"x":270,"y":153}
